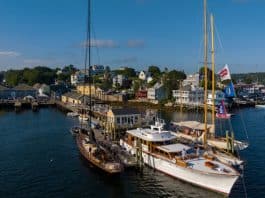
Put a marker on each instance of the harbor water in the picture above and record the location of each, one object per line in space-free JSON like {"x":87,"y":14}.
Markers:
{"x":39,"y":158}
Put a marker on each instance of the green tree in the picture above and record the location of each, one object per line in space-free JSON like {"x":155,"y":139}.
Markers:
{"x":127,"y":71}
{"x":172,"y":81}
{"x":154,"y":71}
{"x":13,"y":77}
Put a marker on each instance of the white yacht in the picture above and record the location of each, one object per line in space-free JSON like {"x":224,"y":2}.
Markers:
{"x":159,"y":150}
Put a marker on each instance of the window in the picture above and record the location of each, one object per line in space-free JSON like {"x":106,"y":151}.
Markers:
{"x":118,"y":120}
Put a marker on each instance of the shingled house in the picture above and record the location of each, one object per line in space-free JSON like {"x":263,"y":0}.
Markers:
{"x":123,"y":118}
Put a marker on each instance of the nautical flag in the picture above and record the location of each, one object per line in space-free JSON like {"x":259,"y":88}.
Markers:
{"x":221,"y":109}
{"x":230,"y":91}
{"x":225,"y":73}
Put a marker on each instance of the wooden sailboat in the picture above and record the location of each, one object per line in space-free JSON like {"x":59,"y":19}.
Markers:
{"x":85,"y":137}
{"x":204,"y":132}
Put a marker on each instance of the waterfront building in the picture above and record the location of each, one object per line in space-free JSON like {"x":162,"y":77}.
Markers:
{"x":141,"y":94}
{"x":72,"y":98}
{"x":5,"y":92}
{"x":188,"y":95}
{"x":77,"y":77}
{"x":97,"y":69}
{"x":123,"y":118}
{"x":156,"y":93}
{"x":219,"y":96}
{"x":84,"y":89}
{"x":118,"y":81}
{"x":22,"y":91}
{"x":42,"y":89}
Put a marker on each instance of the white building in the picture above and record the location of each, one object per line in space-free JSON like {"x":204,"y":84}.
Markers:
{"x":189,"y":96}
{"x":193,"y":80}
{"x":219,"y":96}
{"x":77,"y":77}
{"x":98,"y":69}
{"x":118,"y":80}
{"x":157,"y":92}
{"x":142,"y":75}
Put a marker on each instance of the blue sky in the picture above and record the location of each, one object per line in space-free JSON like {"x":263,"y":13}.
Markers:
{"x":137,"y":33}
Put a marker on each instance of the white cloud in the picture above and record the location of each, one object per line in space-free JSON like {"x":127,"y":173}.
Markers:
{"x":9,"y":53}
{"x":135,"y":43}
{"x":101,"y":43}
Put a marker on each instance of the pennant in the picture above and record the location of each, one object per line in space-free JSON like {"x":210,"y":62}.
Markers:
{"x":225,"y":73}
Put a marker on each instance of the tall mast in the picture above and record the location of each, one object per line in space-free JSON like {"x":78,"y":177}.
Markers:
{"x":89,"y":60}
{"x":88,"y":57}
{"x":205,"y":72}
{"x":213,"y":72}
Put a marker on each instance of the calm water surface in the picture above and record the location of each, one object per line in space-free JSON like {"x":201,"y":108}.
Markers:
{"x":39,"y":158}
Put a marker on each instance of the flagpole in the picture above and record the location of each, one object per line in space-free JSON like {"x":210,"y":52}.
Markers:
{"x":213,"y":74}
{"x":205,"y":73}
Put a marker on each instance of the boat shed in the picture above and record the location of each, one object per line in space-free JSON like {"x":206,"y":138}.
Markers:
{"x":72,"y":97}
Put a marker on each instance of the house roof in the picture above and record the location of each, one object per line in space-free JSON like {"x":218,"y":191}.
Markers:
{"x":23,"y":87}
{"x":125,"y":111}
{"x":2,"y":88}
{"x":173,"y":148}
{"x":73,"y":95}
{"x":37,"y":86}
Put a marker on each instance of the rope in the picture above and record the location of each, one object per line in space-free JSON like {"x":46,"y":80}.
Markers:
{"x":97,"y":48}
{"x":244,"y":126}
{"x":244,"y":184}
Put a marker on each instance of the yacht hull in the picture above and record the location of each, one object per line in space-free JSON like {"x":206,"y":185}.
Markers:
{"x":215,"y":182}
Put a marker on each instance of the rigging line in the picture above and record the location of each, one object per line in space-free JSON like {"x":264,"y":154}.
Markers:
{"x":244,"y":126}
{"x":244,"y":183}
{"x":218,"y":38}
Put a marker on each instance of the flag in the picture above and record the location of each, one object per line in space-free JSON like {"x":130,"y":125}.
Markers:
{"x":230,"y":91}
{"x":225,"y":73}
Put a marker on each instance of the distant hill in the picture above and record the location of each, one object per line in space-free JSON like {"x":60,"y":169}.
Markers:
{"x":258,"y":77}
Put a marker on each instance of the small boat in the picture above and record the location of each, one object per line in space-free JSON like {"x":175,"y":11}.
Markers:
{"x":75,"y":130}
{"x":159,"y":150}
{"x":83,"y":118}
{"x":260,"y":106}
{"x":96,"y":155}
{"x":194,"y":131}
{"x":72,"y":114}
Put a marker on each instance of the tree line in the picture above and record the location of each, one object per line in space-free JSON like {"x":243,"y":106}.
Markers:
{"x":39,"y":74}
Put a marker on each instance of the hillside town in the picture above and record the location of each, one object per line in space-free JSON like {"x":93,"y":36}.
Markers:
{"x":166,"y":88}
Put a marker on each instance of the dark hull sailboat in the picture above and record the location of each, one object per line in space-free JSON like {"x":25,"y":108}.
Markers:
{"x":85,"y":137}
{"x":96,"y":156}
